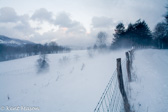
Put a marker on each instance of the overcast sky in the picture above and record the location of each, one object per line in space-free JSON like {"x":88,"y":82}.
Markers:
{"x":73,"y":22}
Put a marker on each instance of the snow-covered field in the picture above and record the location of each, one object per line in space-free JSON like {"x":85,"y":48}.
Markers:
{"x":150,"y":89}
{"x":74,"y":82}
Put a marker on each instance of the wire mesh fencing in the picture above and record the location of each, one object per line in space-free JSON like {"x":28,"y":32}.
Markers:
{"x":111,"y":99}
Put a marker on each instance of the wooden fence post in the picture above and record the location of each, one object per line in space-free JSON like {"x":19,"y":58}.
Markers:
{"x":131,"y":55}
{"x":128,"y":66}
{"x":121,"y":86}
{"x":130,"y":58}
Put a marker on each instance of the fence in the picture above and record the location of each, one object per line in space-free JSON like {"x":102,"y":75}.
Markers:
{"x":114,"y":97}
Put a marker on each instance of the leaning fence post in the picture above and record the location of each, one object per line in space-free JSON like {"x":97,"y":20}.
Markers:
{"x":130,"y":58}
{"x":121,"y":86}
{"x":131,"y":55}
{"x":128,"y":66}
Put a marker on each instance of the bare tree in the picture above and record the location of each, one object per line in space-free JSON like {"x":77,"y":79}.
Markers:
{"x":42,"y":63}
{"x":101,"y":39}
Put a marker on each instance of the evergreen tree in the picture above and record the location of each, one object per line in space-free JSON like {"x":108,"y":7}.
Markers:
{"x":143,"y":35}
{"x":137,"y":34}
{"x":118,"y":36}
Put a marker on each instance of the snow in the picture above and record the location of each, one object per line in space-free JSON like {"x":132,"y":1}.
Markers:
{"x":149,"y":90}
{"x":74,"y":81}
{"x":13,"y":42}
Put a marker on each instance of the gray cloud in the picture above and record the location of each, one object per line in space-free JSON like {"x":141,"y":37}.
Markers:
{"x":63,"y":20}
{"x":78,"y":28}
{"x":14,"y":25}
{"x":102,"y":22}
{"x":70,"y":32}
{"x":96,"y":15}
{"x":42,"y":15}
{"x":24,"y":26}
{"x":8,"y":14}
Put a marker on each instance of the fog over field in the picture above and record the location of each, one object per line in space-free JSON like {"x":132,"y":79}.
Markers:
{"x":83,"y":55}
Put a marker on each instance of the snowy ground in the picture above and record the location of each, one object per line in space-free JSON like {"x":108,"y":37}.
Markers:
{"x":74,"y":82}
{"x":150,"y":89}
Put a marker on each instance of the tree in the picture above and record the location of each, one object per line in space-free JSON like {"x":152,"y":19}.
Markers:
{"x":42,"y":63}
{"x":101,"y":39}
{"x":166,"y":15}
{"x":120,"y":28}
{"x":137,"y":34}
{"x":119,"y":36}
{"x":160,"y":34}
{"x":143,"y":35}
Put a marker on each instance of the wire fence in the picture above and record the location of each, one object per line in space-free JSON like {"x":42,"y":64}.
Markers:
{"x":111,"y":99}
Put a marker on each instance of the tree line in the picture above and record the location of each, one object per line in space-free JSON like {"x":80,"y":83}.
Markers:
{"x":8,"y":52}
{"x":137,"y":34}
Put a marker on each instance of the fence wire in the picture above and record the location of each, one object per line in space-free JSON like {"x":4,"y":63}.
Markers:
{"x":111,"y":99}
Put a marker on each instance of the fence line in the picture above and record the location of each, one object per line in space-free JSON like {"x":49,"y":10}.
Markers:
{"x":112,"y":99}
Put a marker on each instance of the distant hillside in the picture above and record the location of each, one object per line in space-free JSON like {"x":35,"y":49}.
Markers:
{"x":11,"y":48}
{"x":12,"y":41}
